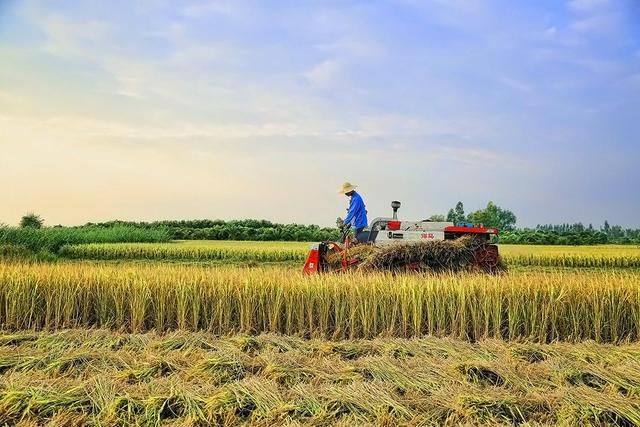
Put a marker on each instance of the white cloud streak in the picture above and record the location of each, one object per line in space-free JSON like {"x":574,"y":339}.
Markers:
{"x":325,"y":73}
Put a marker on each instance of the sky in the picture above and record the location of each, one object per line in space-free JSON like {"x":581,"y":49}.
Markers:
{"x":157,"y":109}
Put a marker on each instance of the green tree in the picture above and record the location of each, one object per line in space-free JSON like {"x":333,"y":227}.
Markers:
{"x":31,"y":220}
{"x":457,"y":215}
{"x":451,"y":215}
{"x":437,"y":218}
{"x":494,"y":216}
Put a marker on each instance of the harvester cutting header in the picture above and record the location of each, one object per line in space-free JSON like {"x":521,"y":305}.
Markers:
{"x":400,"y":245}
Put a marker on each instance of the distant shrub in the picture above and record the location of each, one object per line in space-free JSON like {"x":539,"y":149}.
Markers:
{"x":31,"y":220}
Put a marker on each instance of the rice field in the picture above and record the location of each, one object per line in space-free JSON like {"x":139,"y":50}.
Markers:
{"x":233,"y":334}
{"x":604,"y":256}
{"x":192,"y":250}
{"x":101,"y":378}
{"x":539,"y":306}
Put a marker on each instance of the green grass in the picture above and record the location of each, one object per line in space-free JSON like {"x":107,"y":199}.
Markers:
{"x":97,"y":378}
{"x":51,"y":239}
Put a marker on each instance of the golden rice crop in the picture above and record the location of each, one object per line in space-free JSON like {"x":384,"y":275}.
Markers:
{"x":603,"y":256}
{"x":541,"y":306}
{"x":192,"y":251}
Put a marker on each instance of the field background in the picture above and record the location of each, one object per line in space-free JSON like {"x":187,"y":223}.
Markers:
{"x":198,"y":333}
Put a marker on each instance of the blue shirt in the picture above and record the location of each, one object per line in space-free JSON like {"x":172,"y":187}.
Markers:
{"x":357,"y":215}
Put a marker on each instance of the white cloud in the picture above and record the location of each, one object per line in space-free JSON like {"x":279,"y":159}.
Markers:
{"x":325,"y":73}
{"x":384,"y":128}
{"x":390,"y":126}
{"x":596,"y":17}
{"x":66,"y":36}
{"x":188,"y":130}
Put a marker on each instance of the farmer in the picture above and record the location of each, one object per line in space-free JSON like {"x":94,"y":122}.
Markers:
{"x":357,"y":214}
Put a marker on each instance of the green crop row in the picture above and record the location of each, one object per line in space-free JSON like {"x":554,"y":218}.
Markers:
{"x":51,"y":239}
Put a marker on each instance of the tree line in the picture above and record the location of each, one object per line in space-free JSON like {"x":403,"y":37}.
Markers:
{"x":572,"y":234}
{"x":550,"y":234}
{"x":492,"y":216}
{"x":246,"y":229}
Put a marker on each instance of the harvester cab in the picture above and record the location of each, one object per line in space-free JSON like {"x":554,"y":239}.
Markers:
{"x":385,"y":231}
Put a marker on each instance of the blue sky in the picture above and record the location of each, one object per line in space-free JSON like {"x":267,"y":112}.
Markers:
{"x":163,"y":109}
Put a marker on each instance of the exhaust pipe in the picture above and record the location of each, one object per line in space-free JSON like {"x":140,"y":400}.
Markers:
{"x":395,"y":205}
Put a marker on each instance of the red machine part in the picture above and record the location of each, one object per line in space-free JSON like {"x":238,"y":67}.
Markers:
{"x":471,"y":230}
{"x":488,"y":259}
{"x":313,"y":261}
{"x":394,"y":225}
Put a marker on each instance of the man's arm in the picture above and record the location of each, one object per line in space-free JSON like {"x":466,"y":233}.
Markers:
{"x":351,"y":214}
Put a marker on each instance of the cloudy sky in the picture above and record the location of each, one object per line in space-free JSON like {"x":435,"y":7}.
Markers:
{"x":254,"y":109}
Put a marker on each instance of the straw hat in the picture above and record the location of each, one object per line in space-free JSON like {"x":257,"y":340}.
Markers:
{"x":347,"y":187}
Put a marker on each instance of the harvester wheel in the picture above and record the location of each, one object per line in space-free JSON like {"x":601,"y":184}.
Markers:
{"x":487,"y":258}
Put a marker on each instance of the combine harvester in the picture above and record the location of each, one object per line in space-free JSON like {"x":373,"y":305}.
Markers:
{"x":420,"y":246}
